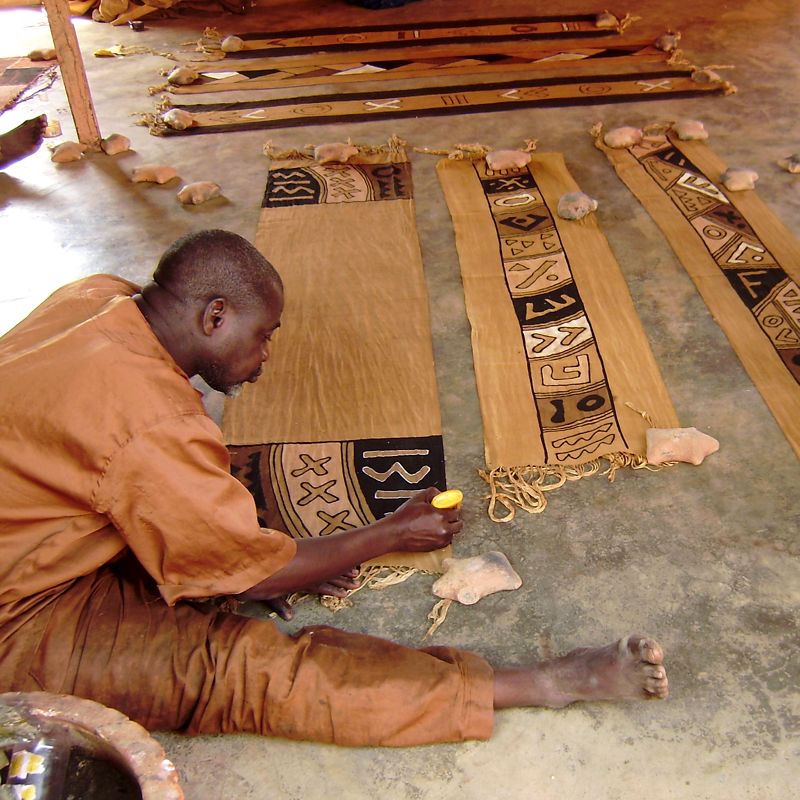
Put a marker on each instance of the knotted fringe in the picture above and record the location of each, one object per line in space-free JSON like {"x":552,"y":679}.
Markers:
{"x":372,"y":577}
{"x":209,"y":42}
{"x":153,"y":120}
{"x":437,"y":615}
{"x":626,"y":22}
{"x":525,"y":487}
{"x":470,"y":152}
{"x":394,"y":145}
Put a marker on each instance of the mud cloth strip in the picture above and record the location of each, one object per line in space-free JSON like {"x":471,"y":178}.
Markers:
{"x":558,"y":346}
{"x":16,"y":75}
{"x":744,"y":262}
{"x":460,"y":99}
{"x":389,"y":36}
{"x":344,"y":425}
{"x":550,"y":61}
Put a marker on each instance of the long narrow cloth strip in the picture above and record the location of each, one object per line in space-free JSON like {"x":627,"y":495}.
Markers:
{"x":548,"y":60}
{"x":744,"y":262}
{"x":345,"y":424}
{"x":16,"y":75}
{"x":649,"y":84}
{"x":390,"y":36}
{"x":558,"y":347}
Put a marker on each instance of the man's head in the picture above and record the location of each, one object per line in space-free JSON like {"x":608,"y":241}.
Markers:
{"x":230,"y":299}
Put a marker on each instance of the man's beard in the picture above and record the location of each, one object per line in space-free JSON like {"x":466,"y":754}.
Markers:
{"x":214,"y":376}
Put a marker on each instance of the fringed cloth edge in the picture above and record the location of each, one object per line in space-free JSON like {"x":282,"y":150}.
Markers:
{"x":372,"y":576}
{"x":394,"y":147}
{"x":378,"y":578}
{"x":525,"y":487}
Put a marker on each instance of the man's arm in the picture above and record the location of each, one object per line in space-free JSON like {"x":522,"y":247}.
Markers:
{"x":415,"y":526}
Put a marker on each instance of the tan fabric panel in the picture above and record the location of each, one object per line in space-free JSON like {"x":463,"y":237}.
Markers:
{"x":353,"y":359}
{"x":501,"y":371}
{"x":214,"y":118}
{"x":602,"y":363}
{"x":628,"y":360}
{"x":780,"y":390}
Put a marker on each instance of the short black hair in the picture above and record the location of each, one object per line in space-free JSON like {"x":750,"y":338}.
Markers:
{"x":216,"y":263}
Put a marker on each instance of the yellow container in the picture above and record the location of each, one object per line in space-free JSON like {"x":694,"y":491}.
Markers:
{"x":450,"y":499}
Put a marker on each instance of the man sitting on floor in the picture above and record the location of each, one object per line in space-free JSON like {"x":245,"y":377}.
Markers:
{"x":118,"y":510}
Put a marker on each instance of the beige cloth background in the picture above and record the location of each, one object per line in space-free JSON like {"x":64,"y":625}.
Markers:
{"x":353,"y":358}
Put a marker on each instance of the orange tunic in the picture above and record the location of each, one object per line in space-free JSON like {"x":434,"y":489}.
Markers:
{"x":117,"y":509}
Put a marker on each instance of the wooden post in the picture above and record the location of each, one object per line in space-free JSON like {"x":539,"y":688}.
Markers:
{"x":73,"y":72}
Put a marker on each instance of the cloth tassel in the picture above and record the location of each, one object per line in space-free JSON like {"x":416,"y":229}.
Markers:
{"x":470,"y":152}
{"x":526,"y":487}
{"x":437,"y":615}
{"x":394,"y":146}
{"x":372,"y":577}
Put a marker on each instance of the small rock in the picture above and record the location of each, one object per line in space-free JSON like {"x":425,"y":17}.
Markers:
{"x":790,"y":163}
{"x":688,"y":130}
{"x":679,"y":444}
{"x":178,"y":119}
{"x":576,"y":205}
{"x":739,"y":179}
{"x":183,"y":76}
{"x":605,"y":20}
{"x":231,"y":44}
{"x":43,"y":54}
{"x":507,"y":159}
{"x":198,"y":192}
{"x":153,"y":173}
{"x":68,"y":151}
{"x":334,"y":152}
{"x":114,"y":144}
{"x":620,"y":138}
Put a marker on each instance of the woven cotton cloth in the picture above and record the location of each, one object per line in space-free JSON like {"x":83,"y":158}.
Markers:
{"x":744,"y":262}
{"x":559,"y":350}
{"x":16,"y":75}
{"x":345,"y":424}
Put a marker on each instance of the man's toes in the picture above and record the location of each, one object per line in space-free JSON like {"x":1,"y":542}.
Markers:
{"x":656,"y":688}
{"x":654,"y":671}
{"x":650,"y":651}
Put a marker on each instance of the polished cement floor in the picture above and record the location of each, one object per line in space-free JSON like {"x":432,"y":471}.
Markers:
{"x":705,"y":558}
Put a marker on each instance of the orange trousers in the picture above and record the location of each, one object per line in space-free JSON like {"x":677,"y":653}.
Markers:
{"x":111,"y":638}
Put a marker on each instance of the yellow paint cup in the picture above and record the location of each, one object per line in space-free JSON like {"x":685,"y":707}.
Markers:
{"x":452,"y":498}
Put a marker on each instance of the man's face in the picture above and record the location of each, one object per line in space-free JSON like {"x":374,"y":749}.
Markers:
{"x":240,"y":347}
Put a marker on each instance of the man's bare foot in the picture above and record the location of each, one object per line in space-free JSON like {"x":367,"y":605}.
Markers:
{"x":630,"y":669}
{"x":22,"y":141}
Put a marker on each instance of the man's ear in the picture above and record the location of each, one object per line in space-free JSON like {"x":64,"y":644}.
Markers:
{"x":214,"y":315}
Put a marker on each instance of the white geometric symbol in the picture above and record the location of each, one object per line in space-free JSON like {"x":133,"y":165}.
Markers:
{"x":650,"y":85}
{"x":375,"y":105}
{"x":516,"y":200}
{"x":734,"y":259}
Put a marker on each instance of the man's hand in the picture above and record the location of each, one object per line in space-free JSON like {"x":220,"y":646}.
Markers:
{"x":419,"y":526}
{"x":415,"y":526}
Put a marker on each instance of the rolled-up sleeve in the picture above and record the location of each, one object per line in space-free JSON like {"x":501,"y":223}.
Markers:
{"x":191,"y":524}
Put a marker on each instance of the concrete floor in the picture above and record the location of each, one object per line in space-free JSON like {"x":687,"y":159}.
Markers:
{"x":705,"y":558}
